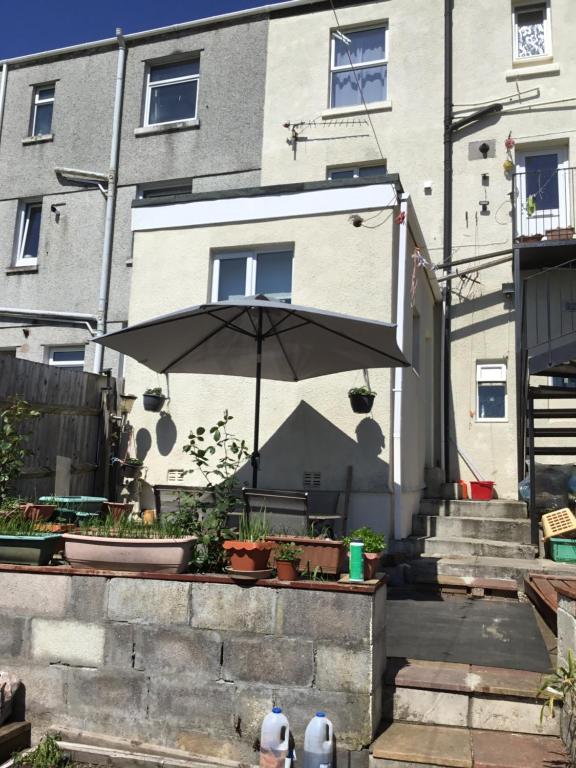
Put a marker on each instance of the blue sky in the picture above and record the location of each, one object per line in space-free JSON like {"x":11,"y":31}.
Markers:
{"x":29,"y":26}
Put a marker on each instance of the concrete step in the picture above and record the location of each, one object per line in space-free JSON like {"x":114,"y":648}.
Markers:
{"x":466,"y":696}
{"x":407,"y":745}
{"x":496,"y":528}
{"x":461,"y":546}
{"x":428,"y":569}
{"x":500,"y":508}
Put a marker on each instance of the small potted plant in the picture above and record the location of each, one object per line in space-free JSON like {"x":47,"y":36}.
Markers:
{"x":287,"y":556}
{"x":117,"y":510}
{"x":132,"y":467}
{"x":23,"y":542}
{"x":374,"y":546}
{"x":361,"y":399}
{"x":250,"y":551}
{"x":154,"y":399}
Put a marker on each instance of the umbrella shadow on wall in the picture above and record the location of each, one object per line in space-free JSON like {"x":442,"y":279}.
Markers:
{"x":166,"y":437}
{"x":308,"y":442}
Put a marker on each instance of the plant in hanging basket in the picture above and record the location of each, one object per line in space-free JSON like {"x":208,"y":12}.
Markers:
{"x":361,"y":399}
{"x":132,"y":467}
{"x":374,"y":546}
{"x":154,"y":399}
{"x":250,"y":551}
{"x":287,"y":556}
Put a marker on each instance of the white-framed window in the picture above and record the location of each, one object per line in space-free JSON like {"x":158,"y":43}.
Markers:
{"x":491,"y":392}
{"x":172,"y":91}
{"x":357,"y":171}
{"x":565,"y":382}
{"x":531,"y":30}
{"x":43,"y":109}
{"x":359,"y":66}
{"x":266,"y":271}
{"x":66,"y":357}
{"x":164,"y":189}
{"x":28,"y":233}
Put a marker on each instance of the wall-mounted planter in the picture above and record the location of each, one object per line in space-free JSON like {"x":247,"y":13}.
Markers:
{"x":137,"y":555}
{"x":361,"y":403}
{"x":153,"y":403}
{"x":320,"y":555}
{"x":28,"y":550}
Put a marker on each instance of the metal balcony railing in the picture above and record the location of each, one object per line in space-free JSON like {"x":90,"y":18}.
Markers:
{"x":544,"y":204}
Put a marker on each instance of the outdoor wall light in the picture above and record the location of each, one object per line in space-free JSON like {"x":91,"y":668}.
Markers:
{"x":356,"y":220}
{"x":484,"y":149}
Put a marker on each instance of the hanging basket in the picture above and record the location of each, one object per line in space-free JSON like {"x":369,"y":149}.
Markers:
{"x":361,"y":403}
{"x":154,"y":402}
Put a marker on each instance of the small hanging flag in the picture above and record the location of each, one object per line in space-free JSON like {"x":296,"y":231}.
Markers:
{"x":531,"y":205}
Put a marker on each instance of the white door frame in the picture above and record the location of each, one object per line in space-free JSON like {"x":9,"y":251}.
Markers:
{"x":542,"y":219}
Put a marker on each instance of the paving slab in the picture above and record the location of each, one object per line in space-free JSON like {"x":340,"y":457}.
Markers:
{"x":438,"y":676}
{"x":505,"y":682}
{"x":481,"y":632}
{"x":512,"y":750}
{"x":425,"y":744}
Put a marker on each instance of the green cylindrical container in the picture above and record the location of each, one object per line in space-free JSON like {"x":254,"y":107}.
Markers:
{"x":356,"y":561}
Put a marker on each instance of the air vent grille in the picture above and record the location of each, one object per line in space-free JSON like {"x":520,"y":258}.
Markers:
{"x":312,"y":480}
{"x":175,"y":476}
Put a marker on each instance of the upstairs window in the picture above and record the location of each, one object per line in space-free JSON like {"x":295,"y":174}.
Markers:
{"x":531,"y":31}
{"x":250,"y":273}
{"x":356,"y":172}
{"x":172,"y":92}
{"x":43,"y":109}
{"x":28,"y":234}
{"x":358,"y":67}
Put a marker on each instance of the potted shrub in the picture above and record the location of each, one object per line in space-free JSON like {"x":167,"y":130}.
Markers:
{"x":361,"y":399}
{"x":23,"y":543}
{"x":126,"y":545}
{"x":319,"y":553}
{"x":132,"y":467}
{"x":374,"y":546}
{"x":251,"y":550}
{"x":154,"y":399}
{"x":287,"y":556}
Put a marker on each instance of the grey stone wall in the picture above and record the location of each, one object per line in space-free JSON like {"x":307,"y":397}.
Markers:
{"x":190,"y":664}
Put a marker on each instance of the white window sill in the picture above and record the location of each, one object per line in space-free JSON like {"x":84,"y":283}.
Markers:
{"x":492,"y":421}
{"x":180,"y":125}
{"x":357,"y":109}
{"x":537,"y":70}
{"x":18,"y":269}
{"x":38,"y":139}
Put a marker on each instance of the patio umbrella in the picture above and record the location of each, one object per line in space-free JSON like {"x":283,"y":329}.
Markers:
{"x":258,"y":338}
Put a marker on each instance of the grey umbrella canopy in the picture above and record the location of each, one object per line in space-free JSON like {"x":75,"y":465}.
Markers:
{"x":258,"y":338}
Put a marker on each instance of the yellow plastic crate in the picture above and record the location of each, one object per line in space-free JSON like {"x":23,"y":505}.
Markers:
{"x":561,"y":522}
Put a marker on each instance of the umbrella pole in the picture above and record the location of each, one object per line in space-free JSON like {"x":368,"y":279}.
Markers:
{"x":255,"y":459}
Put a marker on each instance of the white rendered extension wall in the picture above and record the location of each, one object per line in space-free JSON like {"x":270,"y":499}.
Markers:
{"x":306,"y":426}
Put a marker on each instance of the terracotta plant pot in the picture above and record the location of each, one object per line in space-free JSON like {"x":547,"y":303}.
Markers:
{"x":529,"y":238}
{"x":324,"y":556}
{"x":117,"y":510}
{"x":248,"y":555}
{"x":371,"y":563}
{"x":145,"y":555}
{"x":560,"y":233}
{"x":287,"y":570}
{"x":38,"y":511}
{"x":361,"y":403}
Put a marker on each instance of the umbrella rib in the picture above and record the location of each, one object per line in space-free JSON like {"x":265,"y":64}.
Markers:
{"x":353,"y":340}
{"x":204,"y":340}
{"x":273,"y":326}
{"x":288,"y":361}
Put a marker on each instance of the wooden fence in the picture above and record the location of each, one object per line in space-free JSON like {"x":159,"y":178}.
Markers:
{"x":73,"y":424}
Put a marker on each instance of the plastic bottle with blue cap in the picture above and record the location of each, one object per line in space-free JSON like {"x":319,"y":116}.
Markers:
{"x":319,"y":743}
{"x":275,"y":740}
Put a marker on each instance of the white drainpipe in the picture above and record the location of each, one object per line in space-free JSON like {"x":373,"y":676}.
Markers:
{"x":401,"y":297}
{"x":110,"y":203}
{"x":3,"y":93}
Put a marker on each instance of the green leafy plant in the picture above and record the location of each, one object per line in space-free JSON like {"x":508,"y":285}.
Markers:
{"x":361,"y":391}
{"x":13,"y":438}
{"x":217,"y":455}
{"x":15,"y":524}
{"x":124,"y":528}
{"x":288,"y":552}
{"x":373,"y":542}
{"x":253,"y":528}
{"x":559,"y":686}
{"x":48,"y":754}
{"x":154,"y":391}
{"x":133,"y":462}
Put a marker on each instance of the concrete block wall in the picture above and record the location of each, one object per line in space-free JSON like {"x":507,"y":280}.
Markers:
{"x":566,"y":617}
{"x":189,"y":664}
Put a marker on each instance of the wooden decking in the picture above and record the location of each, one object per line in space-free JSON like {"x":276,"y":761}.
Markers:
{"x":543,"y":591}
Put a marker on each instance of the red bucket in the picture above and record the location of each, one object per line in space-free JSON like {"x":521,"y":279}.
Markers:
{"x":482,"y":490}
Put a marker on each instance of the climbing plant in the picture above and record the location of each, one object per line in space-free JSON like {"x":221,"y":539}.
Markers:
{"x":13,"y":439}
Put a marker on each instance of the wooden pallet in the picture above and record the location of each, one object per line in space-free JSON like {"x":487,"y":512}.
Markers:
{"x":543,"y":592}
